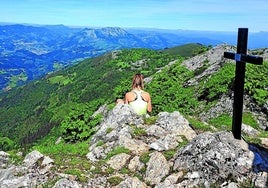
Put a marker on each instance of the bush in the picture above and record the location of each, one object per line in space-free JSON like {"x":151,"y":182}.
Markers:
{"x":77,"y":127}
{"x":256,"y":82}
{"x":6,"y":144}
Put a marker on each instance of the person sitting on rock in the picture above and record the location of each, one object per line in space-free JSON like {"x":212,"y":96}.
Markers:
{"x":137,"y":98}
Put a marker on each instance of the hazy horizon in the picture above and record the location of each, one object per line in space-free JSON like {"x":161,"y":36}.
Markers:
{"x":204,"y":15}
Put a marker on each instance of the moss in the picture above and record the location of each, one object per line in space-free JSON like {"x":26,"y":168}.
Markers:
{"x":114,"y":180}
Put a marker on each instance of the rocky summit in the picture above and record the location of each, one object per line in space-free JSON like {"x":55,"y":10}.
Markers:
{"x":129,"y":151}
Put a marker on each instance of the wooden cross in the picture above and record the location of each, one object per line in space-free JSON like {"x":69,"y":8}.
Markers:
{"x":241,"y":59}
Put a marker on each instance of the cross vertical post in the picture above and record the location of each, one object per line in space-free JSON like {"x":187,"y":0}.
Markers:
{"x":241,"y":58}
{"x":239,"y":83}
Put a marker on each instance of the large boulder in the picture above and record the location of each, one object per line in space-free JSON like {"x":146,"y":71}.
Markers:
{"x":213,"y":158}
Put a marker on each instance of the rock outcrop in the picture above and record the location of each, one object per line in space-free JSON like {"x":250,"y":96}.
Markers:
{"x":212,"y":61}
{"x":209,"y":159}
{"x":34,"y":170}
{"x":130,"y":153}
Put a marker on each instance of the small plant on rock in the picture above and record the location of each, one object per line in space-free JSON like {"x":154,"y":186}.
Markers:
{"x":116,"y":151}
{"x":115,"y":180}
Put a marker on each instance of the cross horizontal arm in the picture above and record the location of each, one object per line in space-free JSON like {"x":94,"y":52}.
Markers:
{"x":244,"y":58}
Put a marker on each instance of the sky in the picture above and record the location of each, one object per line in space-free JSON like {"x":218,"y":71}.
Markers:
{"x":208,"y":15}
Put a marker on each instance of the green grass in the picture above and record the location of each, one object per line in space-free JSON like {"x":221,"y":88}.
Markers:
{"x":68,"y":158}
{"x":80,"y":148}
{"x":13,"y":81}
{"x":59,"y":80}
{"x":222,"y":122}
{"x":263,"y":134}
{"x":115,"y":180}
{"x":108,"y":130}
{"x":14,"y":157}
{"x":117,"y":151}
{"x":184,"y":142}
{"x":100,"y":143}
{"x":198,"y":124}
{"x":169,"y":154}
{"x":150,"y":120}
{"x":145,"y":157}
{"x":187,"y":50}
{"x":249,"y":119}
{"x":137,"y":131}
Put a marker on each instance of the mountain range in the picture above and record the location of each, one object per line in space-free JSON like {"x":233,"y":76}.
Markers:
{"x":29,"y":52}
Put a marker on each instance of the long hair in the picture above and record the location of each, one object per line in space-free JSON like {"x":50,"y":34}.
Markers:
{"x":137,"y":81}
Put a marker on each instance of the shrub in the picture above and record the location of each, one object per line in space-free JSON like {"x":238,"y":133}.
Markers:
{"x":256,"y":82}
{"x":6,"y":144}
{"x":77,"y":127}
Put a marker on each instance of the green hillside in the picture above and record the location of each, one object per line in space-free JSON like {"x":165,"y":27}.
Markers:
{"x":187,"y":50}
{"x":29,"y":112}
{"x":64,"y":101}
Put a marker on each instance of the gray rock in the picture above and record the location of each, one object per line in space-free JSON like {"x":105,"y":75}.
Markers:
{"x":34,"y":171}
{"x":98,"y":182}
{"x":117,"y":119}
{"x":135,"y":164}
{"x":32,"y":158}
{"x":232,"y":185}
{"x":131,"y":182}
{"x":175,"y":123}
{"x":137,"y":147}
{"x":157,"y":168}
{"x":213,"y":59}
{"x":118,"y":161}
{"x":7,"y":173}
{"x":155,"y":130}
{"x":213,"y":158}
{"x":4,"y":159}
{"x":261,"y":180}
{"x":166,"y":143}
{"x":264,"y":141}
{"x":224,"y":105}
{"x":208,"y":159}
{"x":65,"y":183}
{"x":102,"y":110}
{"x":123,"y":114}
{"x":170,"y":181}
{"x":100,"y":152}
{"x":249,"y":130}
{"x":17,"y":182}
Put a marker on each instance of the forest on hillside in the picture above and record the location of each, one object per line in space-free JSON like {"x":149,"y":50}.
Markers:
{"x":63,"y":102}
